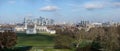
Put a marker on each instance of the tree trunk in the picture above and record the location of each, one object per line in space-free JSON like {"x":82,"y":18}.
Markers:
{"x":77,"y":45}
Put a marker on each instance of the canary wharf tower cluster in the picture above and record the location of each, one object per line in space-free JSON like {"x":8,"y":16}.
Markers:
{"x":41,"y":21}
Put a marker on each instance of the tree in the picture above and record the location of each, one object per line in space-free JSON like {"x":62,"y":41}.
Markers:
{"x":96,"y":46}
{"x":118,"y":31}
{"x":7,"y":39}
{"x":63,"y":38}
{"x":110,"y":41}
{"x":79,"y":37}
{"x":63,"y":41}
{"x":100,"y":38}
{"x":107,"y":39}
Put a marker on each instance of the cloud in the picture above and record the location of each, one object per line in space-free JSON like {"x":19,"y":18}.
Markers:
{"x":103,"y":4}
{"x":116,"y":4}
{"x":96,"y":4}
{"x":49,"y":8}
{"x":92,"y":6}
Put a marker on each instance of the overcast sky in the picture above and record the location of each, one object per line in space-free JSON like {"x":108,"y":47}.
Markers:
{"x":60,"y":10}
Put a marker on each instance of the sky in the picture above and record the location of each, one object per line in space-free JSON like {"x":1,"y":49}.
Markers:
{"x":12,"y":11}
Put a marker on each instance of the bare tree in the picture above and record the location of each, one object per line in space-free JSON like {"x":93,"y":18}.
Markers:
{"x":7,"y":39}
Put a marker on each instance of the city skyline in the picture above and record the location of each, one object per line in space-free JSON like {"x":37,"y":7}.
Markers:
{"x":60,"y":10}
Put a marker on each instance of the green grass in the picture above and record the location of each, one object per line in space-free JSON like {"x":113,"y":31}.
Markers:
{"x":57,"y":50}
{"x":48,"y":49}
{"x":41,"y":40}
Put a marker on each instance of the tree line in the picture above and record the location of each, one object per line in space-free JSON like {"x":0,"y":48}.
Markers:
{"x":96,"y":39}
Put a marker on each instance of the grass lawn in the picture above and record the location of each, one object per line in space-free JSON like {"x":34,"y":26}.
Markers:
{"x":50,"y":49}
{"x":41,"y":40}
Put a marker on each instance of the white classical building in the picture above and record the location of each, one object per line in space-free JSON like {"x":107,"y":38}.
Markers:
{"x":37,"y":26}
{"x":45,"y":29}
{"x":19,"y":28}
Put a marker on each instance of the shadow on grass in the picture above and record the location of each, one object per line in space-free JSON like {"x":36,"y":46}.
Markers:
{"x":22,"y":48}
